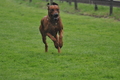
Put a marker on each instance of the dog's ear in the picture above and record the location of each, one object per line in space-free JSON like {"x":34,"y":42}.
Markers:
{"x":48,"y":4}
{"x":53,"y":3}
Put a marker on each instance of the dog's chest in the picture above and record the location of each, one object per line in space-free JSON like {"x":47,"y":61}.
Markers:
{"x":52,"y":27}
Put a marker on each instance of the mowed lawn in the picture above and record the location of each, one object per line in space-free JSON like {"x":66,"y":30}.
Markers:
{"x":91,"y":48}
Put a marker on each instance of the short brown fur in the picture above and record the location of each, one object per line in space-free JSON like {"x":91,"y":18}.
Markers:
{"x":51,"y":25}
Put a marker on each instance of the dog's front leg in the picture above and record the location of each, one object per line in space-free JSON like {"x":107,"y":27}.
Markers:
{"x":55,"y":39}
{"x":60,"y":38}
{"x":44,"y":41}
{"x":57,"y":43}
{"x":51,"y":37}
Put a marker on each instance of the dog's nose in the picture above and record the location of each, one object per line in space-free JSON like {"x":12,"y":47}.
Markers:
{"x":56,"y":15}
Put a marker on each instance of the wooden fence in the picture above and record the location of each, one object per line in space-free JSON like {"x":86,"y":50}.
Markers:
{"x":111,"y":3}
{"x":115,"y":3}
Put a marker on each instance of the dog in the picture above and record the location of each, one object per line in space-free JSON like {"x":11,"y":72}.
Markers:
{"x":51,"y":26}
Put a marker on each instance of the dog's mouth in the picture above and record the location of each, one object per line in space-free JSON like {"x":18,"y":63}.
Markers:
{"x":56,"y":16}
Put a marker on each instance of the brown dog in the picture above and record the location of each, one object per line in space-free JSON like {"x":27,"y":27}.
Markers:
{"x":51,"y":25}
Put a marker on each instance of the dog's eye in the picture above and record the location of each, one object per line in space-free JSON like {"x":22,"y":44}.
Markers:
{"x":57,"y":9}
{"x":52,"y":9}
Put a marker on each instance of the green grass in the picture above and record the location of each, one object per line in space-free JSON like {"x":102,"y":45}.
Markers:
{"x":90,"y":52}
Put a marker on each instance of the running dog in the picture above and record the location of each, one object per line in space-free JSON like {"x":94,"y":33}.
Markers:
{"x":51,"y":26}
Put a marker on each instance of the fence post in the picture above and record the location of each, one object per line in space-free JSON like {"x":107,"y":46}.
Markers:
{"x":75,"y":1}
{"x":111,"y":7}
{"x":30,"y":0}
{"x":69,"y":2}
{"x":51,"y":2}
{"x":96,"y":7}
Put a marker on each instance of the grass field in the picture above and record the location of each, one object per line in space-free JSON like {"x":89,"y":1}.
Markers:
{"x":91,"y":48}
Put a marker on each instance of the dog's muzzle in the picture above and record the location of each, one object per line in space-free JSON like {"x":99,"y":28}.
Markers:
{"x":55,"y":16}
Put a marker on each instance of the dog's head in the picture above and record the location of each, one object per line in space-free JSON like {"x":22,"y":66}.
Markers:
{"x":53,"y":11}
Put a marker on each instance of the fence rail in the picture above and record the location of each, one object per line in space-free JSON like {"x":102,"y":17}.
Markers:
{"x":107,"y":3}
{"x":98,"y":2}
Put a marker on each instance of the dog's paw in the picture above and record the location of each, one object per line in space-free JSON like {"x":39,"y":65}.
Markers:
{"x":61,"y":44}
